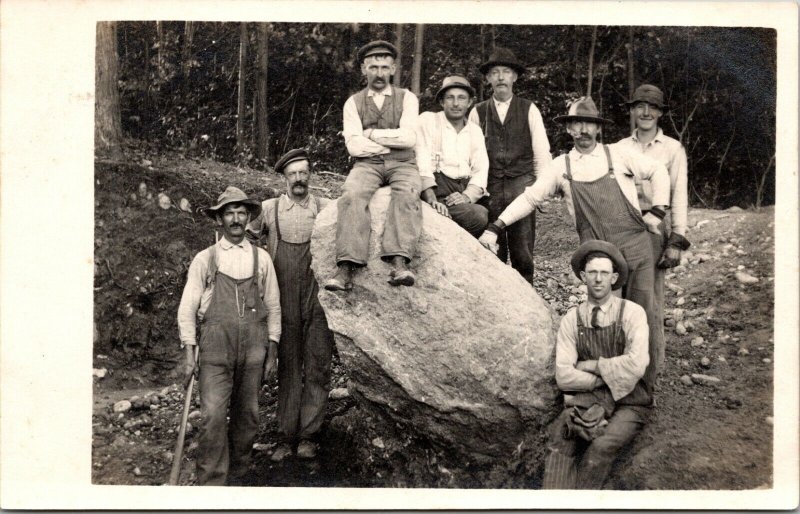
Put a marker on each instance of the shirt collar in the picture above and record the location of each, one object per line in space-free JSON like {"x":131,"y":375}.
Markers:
{"x":659,"y":136}
{"x":498,"y":102}
{"x":227,"y":245}
{"x":597,"y":152}
{"x":289,"y":203}
{"x":387,"y":91}
{"x":605,"y":307}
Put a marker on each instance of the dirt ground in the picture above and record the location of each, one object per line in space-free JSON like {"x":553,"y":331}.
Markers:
{"x":706,"y":433}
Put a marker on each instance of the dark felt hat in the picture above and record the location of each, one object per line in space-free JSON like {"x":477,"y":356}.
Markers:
{"x":502,"y":57}
{"x":234,"y":195}
{"x":582,"y":109}
{"x":648,"y":93}
{"x":454,"y":81}
{"x":378,"y":47}
{"x":596,"y":245}
{"x":296,"y":154}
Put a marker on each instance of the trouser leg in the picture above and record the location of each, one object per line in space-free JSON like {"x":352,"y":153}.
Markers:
{"x":244,"y":403}
{"x":290,"y":370}
{"x":521,"y":236}
{"x":317,"y":370}
{"x":560,"y":469}
{"x":216,"y":384}
{"x":471,"y":217}
{"x":353,"y":219}
{"x":658,"y":241}
{"x":623,"y":426}
{"x":404,"y":216}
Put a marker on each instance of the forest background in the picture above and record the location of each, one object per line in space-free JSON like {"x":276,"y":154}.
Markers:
{"x":246,"y":92}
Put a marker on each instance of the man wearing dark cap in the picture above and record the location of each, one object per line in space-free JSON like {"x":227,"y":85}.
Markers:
{"x":304,"y":353}
{"x":518,"y":152}
{"x":601,"y":357}
{"x":599,"y":184}
{"x":452,"y":158}
{"x":647,"y":105}
{"x":379,"y":132}
{"x":232,"y":290}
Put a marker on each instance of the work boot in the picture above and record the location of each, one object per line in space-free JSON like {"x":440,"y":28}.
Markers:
{"x":342,"y":280}
{"x":400,"y":274}
{"x":307,"y":449}
{"x":281,"y":452}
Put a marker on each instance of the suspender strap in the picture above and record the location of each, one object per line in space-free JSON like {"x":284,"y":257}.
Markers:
{"x":211,"y":274}
{"x":437,"y":137}
{"x":277,"y":224}
{"x":608,"y":158}
{"x":568,"y":175}
{"x":578,"y":314}
{"x":619,"y":318}
{"x":255,"y":264}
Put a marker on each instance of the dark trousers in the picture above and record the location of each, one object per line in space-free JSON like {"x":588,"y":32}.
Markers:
{"x":517,"y":240}
{"x":470,"y":216}
{"x":578,"y":464}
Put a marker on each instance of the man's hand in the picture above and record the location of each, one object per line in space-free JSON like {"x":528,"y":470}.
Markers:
{"x":589,"y":366}
{"x":670,"y":258}
{"x":190,"y":367}
{"x":489,"y":241}
{"x":652,"y":223}
{"x":441,"y":209}
{"x":271,"y":363}
{"x":456,"y":199}
{"x":429,"y":197}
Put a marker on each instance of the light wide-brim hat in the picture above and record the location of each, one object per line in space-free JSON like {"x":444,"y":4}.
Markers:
{"x":454,"y":81}
{"x":234,"y":195}
{"x":582,"y":109}
{"x":650,"y":94}
{"x":596,"y":245}
{"x":502,"y":57}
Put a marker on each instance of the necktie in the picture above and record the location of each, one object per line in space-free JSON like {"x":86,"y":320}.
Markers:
{"x":595,"y":310}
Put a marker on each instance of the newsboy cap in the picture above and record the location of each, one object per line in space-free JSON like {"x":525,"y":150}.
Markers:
{"x":378,"y":47}
{"x":648,"y":93}
{"x":296,"y":154}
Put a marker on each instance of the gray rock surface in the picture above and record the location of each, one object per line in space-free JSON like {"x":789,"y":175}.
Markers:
{"x":463,"y":358}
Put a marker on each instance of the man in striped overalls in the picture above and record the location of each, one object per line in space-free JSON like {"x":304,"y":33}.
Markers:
{"x":599,"y":184}
{"x":601,"y":357}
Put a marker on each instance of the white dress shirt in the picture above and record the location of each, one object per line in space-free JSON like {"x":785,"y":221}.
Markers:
{"x":381,"y":141}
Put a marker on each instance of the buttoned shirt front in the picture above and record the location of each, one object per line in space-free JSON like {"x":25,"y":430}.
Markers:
{"x":671,"y":154}
{"x":236,"y":261}
{"x":296,"y":220}
{"x":381,"y":140}
{"x":456,"y":154}
{"x":502,"y":108}
{"x":619,"y":373}
{"x":586,"y":168}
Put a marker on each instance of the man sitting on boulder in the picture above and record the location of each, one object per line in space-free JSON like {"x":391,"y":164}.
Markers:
{"x":232,"y":290}
{"x":601,"y":357}
{"x":379,"y":132}
{"x":452,"y":157}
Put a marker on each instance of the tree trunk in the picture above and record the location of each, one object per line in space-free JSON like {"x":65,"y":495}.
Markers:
{"x":398,"y":42}
{"x":416,"y":72}
{"x":482,"y":83}
{"x":262,"y":147}
{"x":631,"y":74}
{"x":590,"y":73}
{"x":241,"y":95}
{"x":107,"y":117}
{"x":160,"y":55}
{"x":186,"y":55}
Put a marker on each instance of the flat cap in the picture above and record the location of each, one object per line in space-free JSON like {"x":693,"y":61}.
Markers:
{"x":296,"y":154}
{"x":378,"y":47}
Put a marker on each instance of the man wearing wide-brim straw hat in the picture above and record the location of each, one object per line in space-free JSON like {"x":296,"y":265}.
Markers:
{"x":646,"y":106}
{"x":598,"y":182}
{"x":452,"y":160}
{"x":231,"y":288}
{"x":518,"y":150}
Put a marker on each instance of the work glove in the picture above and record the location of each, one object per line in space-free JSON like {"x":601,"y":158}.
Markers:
{"x":671,"y":256}
{"x":652,"y":221}
{"x":489,"y":241}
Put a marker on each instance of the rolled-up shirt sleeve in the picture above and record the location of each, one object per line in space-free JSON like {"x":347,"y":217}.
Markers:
{"x":422,"y":148}
{"x":190,"y":300}
{"x":547,"y":184}
{"x":649,"y":169}
{"x":539,"y":142}
{"x":353,"y":132}
{"x":478,"y":163}
{"x":405,"y":135}
{"x":623,"y":372}
{"x":568,"y":377}
{"x":272,"y":300}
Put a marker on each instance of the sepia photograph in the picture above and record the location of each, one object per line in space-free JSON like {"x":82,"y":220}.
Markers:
{"x":466,"y":257}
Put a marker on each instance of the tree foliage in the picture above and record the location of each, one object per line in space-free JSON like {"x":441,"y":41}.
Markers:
{"x":179,"y":87}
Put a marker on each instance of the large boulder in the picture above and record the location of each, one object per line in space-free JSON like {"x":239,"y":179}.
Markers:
{"x":464,"y":357}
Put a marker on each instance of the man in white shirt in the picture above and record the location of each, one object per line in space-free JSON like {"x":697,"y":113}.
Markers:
{"x":647,"y":105}
{"x":518,"y":150}
{"x":452,"y":160}
{"x":601,"y":357}
{"x":599,"y":184}
{"x":232,"y":290}
{"x":379,"y":131}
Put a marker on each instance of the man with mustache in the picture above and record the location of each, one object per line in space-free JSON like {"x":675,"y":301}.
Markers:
{"x":647,"y":105}
{"x":232,"y":289}
{"x":599,"y":184}
{"x":518,"y":152}
{"x":304,"y":353}
{"x":379,"y":132}
{"x":451,"y":149}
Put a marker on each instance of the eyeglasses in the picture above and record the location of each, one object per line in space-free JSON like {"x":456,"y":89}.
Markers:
{"x":602,"y":274}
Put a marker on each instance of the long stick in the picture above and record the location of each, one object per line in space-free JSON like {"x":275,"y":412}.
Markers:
{"x":178,"y":454}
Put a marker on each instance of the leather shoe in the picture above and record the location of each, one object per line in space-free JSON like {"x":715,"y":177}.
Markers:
{"x":342,"y":280}
{"x":401,"y":275}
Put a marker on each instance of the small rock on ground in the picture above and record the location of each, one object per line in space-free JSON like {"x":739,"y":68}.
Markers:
{"x":705,"y":379}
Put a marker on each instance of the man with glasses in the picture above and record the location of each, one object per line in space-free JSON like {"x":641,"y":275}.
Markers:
{"x":451,"y":156}
{"x":518,"y":150}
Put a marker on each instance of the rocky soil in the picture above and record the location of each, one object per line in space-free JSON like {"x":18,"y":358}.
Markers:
{"x":711,"y":429}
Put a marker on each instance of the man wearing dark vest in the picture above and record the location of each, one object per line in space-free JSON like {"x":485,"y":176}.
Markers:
{"x":601,"y":357}
{"x":599,"y":184}
{"x":304,"y":353}
{"x":232,"y":290}
{"x":518,"y":151}
{"x":379,"y":132}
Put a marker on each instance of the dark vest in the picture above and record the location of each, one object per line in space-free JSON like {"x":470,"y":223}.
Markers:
{"x":387,"y":117}
{"x":508,"y":144}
